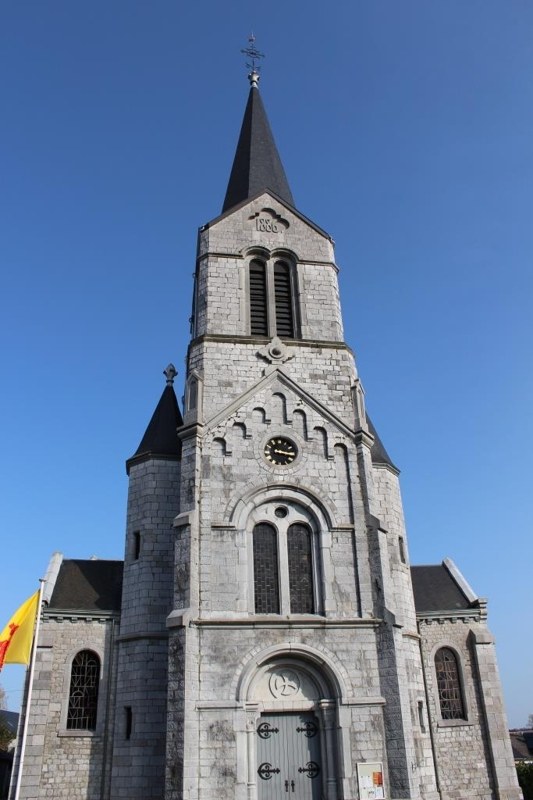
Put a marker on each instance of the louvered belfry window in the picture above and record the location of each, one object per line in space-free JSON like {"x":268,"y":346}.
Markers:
{"x":83,"y":694}
{"x":258,"y":299}
{"x":266,"y":570}
{"x":300,"y":569}
{"x":272,"y":311}
{"x":449,"y":684}
{"x":283,"y":298}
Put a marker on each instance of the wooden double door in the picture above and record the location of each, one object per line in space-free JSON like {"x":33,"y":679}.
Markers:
{"x":289,"y":765}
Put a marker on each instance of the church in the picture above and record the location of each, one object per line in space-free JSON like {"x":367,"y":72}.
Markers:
{"x":266,"y":635}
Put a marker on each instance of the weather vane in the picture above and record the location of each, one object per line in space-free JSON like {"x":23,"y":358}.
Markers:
{"x":254,"y":56}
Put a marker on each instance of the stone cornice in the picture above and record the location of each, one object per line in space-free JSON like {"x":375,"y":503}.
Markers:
{"x":261,"y":340}
{"x":78,"y":615}
{"x":300,"y":621}
{"x":456,"y":615}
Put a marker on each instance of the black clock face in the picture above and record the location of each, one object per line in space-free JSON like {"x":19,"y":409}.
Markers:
{"x":280,"y":451}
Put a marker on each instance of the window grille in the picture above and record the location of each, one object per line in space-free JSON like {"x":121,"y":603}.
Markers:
{"x":271,"y":301}
{"x":300,"y":569}
{"x":449,"y":685}
{"x":83,"y":694}
{"x":258,"y":299}
{"x":266,"y":577}
{"x":283,"y":297}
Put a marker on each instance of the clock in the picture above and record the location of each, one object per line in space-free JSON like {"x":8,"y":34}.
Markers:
{"x":280,"y":451}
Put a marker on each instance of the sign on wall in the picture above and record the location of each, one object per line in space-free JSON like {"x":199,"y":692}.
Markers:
{"x":370,"y":777}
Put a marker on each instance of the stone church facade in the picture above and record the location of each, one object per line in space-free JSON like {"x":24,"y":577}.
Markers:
{"x":265,"y":636}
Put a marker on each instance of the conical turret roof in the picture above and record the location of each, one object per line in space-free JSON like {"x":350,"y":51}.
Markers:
{"x":257,"y":165}
{"x":160,"y":439}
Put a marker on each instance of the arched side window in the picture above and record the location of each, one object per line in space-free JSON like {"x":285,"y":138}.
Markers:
{"x":300,"y":569}
{"x":449,"y":684}
{"x":83,"y":692}
{"x":266,"y":570}
{"x":272,"y":298}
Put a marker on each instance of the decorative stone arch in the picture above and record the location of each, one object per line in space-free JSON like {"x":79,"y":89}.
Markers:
{"x":334,"y":680}
{"x":237,"y":512}
{"x":291,"y":681}
{"x":284,"y":253}
{"x":264,"y":252}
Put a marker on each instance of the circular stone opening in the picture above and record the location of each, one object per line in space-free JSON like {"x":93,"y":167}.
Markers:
{"x":281,"y":512}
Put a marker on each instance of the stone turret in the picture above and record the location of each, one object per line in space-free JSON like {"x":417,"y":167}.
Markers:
{"x":153,"y":502}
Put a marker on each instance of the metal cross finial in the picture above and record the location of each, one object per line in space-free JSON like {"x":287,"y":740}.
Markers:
{"x":254,"y":55}
{"x":170,"y":373}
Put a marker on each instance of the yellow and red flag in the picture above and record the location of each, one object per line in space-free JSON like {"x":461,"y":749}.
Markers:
{"x":17,"y":636}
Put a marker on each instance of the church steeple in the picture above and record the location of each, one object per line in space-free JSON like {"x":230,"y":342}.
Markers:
{"x":257,"y":165}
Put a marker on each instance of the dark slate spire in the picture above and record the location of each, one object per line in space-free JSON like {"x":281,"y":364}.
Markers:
{"x":160,"y":439}
{"x":377,"y":452}
{"x":257,"y":165}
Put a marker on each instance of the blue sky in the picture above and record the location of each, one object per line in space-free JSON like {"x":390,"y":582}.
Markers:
{"x":406,"y":131}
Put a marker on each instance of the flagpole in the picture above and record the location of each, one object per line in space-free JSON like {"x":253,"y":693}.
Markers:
{"x":30,"y":691}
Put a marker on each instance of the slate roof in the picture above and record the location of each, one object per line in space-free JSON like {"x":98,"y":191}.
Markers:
{"x":96,"y":585}
{"x":436,"y":590}
{"x":257,"y":166}
{"x":522,"y":744}
{"x":378,"y":453}
{"x":160,"y":438}
{"x":88,"y":585}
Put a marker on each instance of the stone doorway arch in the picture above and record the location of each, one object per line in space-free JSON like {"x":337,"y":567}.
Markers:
{"x":291,"y":699}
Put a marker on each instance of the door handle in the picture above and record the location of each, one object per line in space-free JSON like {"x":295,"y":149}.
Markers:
{"x":292,"y":785}
{"x":286,"y":786}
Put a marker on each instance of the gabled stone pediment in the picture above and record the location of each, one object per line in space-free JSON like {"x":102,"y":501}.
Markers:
{"x":266,"y":220}
{"x":275,"y":384}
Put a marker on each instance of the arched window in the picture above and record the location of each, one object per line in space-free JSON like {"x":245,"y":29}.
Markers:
{"x":449,"y":684}
{"x":83,"y":693}
{"x":266,"y":574}
{"x":271,"y":298}
{"x":286,"y":565}
{"x":300,"y":569}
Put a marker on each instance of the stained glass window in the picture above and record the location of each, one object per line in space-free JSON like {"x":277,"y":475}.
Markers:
{"x":266,"y":577}
{"x":83,"y":694}
{"x":300,"y":569}
{"x":449,"y":684}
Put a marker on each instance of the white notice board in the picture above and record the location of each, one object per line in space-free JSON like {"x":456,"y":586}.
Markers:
{"x":370,"y":778}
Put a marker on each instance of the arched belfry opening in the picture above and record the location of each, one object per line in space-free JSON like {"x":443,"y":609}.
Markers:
{"x":293,"y":744}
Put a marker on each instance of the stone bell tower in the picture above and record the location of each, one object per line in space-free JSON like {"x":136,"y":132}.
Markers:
{"x":293,"y":653}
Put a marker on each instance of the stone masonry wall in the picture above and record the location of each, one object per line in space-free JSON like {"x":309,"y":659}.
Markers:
{"x":466,"y":764}
{"x":147,"y":600}
{"x":68,"y":764}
